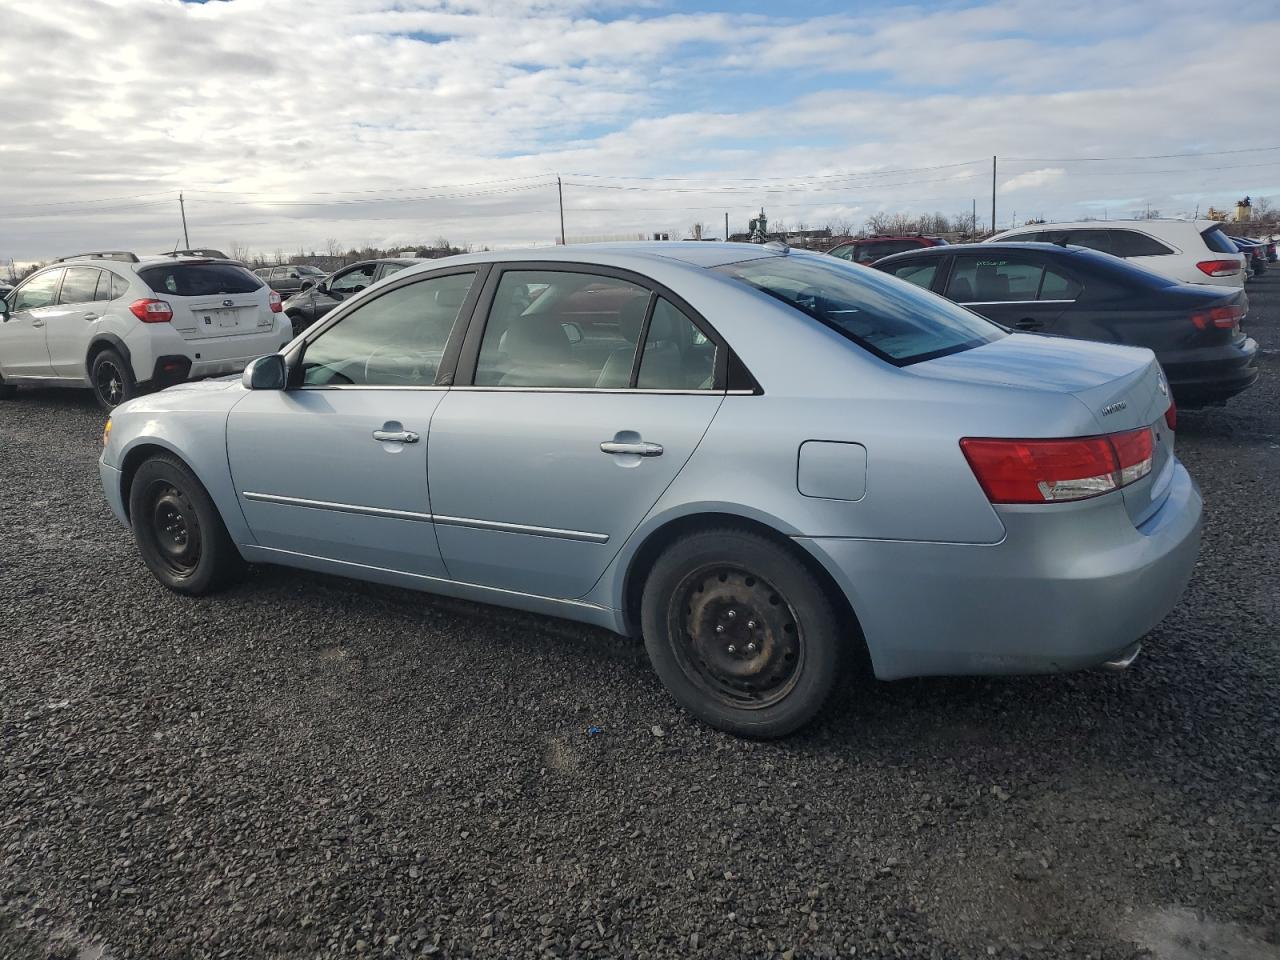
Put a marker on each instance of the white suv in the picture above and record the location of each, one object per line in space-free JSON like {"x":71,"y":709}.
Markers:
{"x":1190,"y":251}
{"x":121,"y":325}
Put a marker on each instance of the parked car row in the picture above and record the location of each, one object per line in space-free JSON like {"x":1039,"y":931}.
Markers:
{"x":315,"y":300}
{"x":1173,"y":286}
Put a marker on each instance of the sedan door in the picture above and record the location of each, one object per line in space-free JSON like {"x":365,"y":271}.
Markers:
{"x":1005,"y":287}
{"x":23,"y":350}
{"x":70,"y":325}
{"x":336,"y":466}
{"x":565,"y":433}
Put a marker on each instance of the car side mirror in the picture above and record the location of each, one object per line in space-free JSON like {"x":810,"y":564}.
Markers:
{"x":323,"y":287}
{"x":266,"y":373}
{"x":306,"y":285}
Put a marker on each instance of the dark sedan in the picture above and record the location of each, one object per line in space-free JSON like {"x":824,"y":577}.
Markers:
{"x":1070,"y":291}
{"x":307,"y":306}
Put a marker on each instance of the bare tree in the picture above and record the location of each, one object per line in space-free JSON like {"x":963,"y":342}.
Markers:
{"x":1264,"y":208}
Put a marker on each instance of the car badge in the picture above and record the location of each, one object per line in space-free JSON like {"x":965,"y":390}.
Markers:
{"x":228,"y":303}
{"x":1111,"y":408}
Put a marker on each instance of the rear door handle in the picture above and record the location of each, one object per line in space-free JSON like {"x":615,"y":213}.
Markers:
{"x":37,"y":323}
{"x":395,"y":436}
{"x":640,"y":448}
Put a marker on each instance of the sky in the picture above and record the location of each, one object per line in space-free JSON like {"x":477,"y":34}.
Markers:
{"x":288,"y":124}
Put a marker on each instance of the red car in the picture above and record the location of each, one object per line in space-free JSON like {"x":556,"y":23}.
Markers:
{"x":870,"y":249}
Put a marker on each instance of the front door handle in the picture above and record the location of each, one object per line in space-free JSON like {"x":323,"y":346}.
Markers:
{"x":37,"y":323}
{"x":395,"y":436}
{"x":92,"y":316}
{"x":640,"y":448}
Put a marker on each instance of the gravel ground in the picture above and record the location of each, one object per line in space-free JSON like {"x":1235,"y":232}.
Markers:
{"x":310,"y":767}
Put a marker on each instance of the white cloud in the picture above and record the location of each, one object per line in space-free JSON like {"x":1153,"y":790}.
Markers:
{"x":1032,"y":179}
{"x":284,"y":120}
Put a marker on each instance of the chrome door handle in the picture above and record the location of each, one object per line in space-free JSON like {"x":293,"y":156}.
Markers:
{"x":92,"y":316}
{"x":395,"y":436}
{"x":640,"y":449}
{"x":37,"y":323}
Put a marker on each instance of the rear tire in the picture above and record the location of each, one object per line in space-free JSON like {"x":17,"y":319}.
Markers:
{"x":741,"y":633}
{"x":112,"y":380}
{"x":178,"y":530}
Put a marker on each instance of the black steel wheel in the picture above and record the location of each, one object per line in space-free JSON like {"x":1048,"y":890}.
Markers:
{"x":174,"y":528}
{"x":736,"y":636}
{"x":111,"y":379}
{"x":741,"y":632}
{"x":179,"y":532}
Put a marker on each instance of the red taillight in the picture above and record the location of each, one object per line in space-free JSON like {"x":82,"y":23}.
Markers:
{"x":1171,"y":415}
{"x":1051,"y":471}
{"x":274,"y":300}
{"x":151,"y":311}
{"x":1220,"y":318}
{"x":1219,"y":268}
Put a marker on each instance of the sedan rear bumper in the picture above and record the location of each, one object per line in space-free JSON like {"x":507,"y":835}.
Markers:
{"x":1200,"y":377}
{"x":1071,"y":586}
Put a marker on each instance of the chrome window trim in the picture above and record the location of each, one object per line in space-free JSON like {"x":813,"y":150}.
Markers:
{"x":553,"y":533}
{"x":362,"y":386}
{"x":617,"y":390}
{"x":997,"y":303}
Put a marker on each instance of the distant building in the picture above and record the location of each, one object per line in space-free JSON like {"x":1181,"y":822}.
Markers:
{"x":758,"y":232}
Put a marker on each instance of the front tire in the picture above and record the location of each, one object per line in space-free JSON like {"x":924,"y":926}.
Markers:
{"x":112,"y":380}
{"x":178,"y":530}
{"x":741,"y":633}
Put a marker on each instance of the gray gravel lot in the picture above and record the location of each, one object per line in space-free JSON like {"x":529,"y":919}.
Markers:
{"x":310,"y":767}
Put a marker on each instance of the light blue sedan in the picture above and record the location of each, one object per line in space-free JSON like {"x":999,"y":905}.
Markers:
{"x":759,"y":460}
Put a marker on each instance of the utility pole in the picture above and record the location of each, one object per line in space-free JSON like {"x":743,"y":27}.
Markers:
{"x":993,"y":194}
{"x":973,"y":219}
{"x":726,"y":226}
{"x":560,"y":191}
{"x":183,"y":207}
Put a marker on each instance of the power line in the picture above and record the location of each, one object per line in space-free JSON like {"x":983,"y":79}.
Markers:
{"x":1151,"y":156}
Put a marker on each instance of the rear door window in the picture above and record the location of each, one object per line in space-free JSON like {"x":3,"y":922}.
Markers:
{"x":677,"y":355}
{"x":1217,"y":241}
{"x":993,"y":279}
{"x":199,"y":279}
{"x":1131,"y":243}
{"x":550,"y":328}
{"x":79,"y":285}
{"x":1094,"y":239}
{"x":1058,"y":285}
{"x":921,"y":274}
{"x":896,"y":322}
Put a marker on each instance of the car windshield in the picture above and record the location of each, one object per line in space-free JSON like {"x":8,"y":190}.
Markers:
{"x":894,"y":320}
{"x":199,"y":279}
{"x":1217,"y":241}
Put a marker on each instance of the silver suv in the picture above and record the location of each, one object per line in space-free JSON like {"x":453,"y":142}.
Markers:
{"x":122,"y":325}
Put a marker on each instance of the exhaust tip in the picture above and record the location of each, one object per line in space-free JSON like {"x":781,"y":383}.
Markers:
{"x":1124,"y":661}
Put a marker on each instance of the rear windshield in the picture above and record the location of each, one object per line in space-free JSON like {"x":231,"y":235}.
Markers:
{"x":889,"y":317}
{"x":199,"y":279}
{"x":1218,"y":242}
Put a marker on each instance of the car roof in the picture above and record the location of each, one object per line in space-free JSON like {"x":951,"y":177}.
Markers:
{"x":986,"y":247}
{"x":1153,"y":224}
{"x":695,"y":254}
